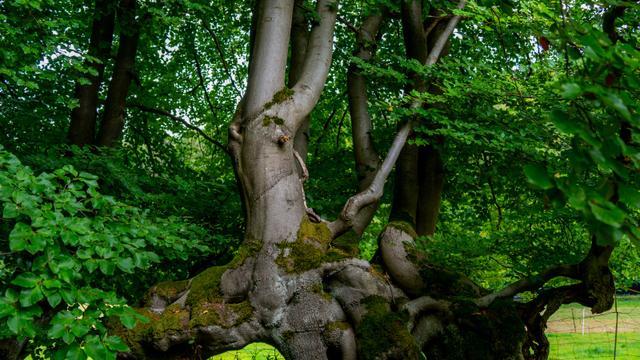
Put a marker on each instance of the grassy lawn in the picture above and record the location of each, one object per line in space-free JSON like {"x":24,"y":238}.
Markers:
{"x":255,"y":351}
{"x":594,"y":346}
{"x":565,"y":332}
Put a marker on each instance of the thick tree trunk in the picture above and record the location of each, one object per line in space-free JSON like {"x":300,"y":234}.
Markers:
{"x":113,"y":119}
{"x":296,"y":284}
{"x":83,"y":118}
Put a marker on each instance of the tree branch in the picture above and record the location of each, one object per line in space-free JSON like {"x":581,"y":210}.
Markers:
{"x":317,"y":62}
{"x":201,"y":79}
{"x":223,"y":59}
{"x":375,"y":190}
{"x":367,"y":159}
{"x":181,"y":121}
{"x":530,"y":283}
{"x":437,"y":48}
{"x":269,"y":55}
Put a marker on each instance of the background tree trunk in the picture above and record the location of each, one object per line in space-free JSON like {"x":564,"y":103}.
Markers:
{"x":83,"y":118}
{"x":113,"y":119}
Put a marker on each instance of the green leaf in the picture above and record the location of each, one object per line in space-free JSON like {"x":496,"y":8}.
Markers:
{"x":30,"y":297}
{"x":126,"y":264}
{"x":52,"y":284}
{"x":10,"y":211}
{"x":19,"y":236}
{"x":116,"y":344}
{"x":75,"y":353}
{"x":95,"y":349}
{"x":570,"y":91}
{"x":629,"y":196}
{"x":54,"y":299}
{"x":80,"y":329}
{"x":56,"y":331}
{"x":26,"y":280}
{"x":608,"y":214}
{"x":128,"y":320}
{"x":107,"y":267}
{"x":68,"y":295}
{"x":537,"y":175}
{"x":563,"y":122}
{"x":70,"y":238}
{"x":91,"y":265}
{"x":615,"y":102}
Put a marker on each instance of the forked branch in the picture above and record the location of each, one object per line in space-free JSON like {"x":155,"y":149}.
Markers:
{"x":374,"y":191}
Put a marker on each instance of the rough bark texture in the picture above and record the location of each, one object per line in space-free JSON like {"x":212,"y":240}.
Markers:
{"x":297,"y":283}
{"x":83,"y":118}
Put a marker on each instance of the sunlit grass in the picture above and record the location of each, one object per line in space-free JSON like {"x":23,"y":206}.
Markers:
{"x":255,"y":351}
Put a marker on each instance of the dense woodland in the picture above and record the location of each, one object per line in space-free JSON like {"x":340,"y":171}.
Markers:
{"x":356,"y":179}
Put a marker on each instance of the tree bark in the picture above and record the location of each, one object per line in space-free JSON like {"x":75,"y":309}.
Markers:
{"x":112,"y":122}
{"x":83,"y":118}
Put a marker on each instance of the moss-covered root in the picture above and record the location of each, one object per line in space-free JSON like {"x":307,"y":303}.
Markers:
{"x":193,"y":317}
{"x":383,"y":333}
{"x":471,"y":333}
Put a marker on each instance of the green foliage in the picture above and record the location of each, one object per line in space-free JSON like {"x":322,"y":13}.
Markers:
{"x":68,"y":257}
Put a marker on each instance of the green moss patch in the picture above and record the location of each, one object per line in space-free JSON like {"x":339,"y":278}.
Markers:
{"x":170,"y":289}
{"x":383,"y":330}
{"x":280,"y":97}
{"x":267,"y":120}
{"x":404,"y":226}
{"x":225,"y":315}
{"x":348,"y":243}
{"x":308,"y":251}
{"x":205,"y":286}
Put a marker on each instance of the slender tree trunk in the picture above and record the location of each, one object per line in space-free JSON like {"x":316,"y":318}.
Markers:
{"x":83,"y":118}
{"x":420,"y":170}
{"x":112,"y":122}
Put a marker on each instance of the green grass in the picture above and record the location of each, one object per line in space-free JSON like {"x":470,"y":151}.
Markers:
{"x":594,"y":346}
{"x":566,"y":326}
{"x":255,"y":351}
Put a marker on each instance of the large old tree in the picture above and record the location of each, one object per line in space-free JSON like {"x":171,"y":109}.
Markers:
{"x":296,"y":282}
{"x":449,"y":113}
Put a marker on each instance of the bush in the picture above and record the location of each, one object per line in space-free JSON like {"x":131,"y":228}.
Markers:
{"x":67,"y":256}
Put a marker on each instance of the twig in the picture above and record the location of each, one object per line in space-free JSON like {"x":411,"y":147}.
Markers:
{"x":205,"y":25}
{"x":180,"y":120}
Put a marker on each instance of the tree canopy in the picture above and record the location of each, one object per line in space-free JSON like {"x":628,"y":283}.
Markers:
{"x":353,"y":179}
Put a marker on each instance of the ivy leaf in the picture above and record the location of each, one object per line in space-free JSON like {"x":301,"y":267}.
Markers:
{"x":615,"y":102}
{"x":56,"y":331}
{"x":537,"y":175}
